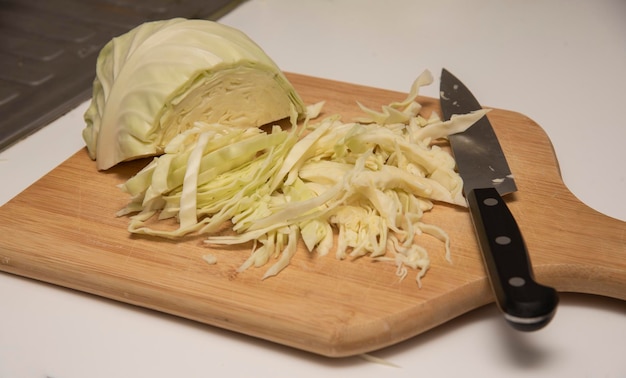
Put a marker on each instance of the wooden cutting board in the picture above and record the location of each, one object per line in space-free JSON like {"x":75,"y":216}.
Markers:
{"x":63,"y":230}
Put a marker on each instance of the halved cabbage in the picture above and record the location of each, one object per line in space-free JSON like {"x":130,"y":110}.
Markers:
{"x":157,"y":80}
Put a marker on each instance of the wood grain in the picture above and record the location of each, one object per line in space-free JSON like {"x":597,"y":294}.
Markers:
{"x":63,"y":230}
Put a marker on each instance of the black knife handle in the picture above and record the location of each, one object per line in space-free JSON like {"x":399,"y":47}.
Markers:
{"x":527,"y":305}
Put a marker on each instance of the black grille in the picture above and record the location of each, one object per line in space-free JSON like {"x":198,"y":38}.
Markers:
{"x":48,"y":51}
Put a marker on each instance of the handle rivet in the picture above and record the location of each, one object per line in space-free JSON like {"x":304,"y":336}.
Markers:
{"x":503,"y":240}
{"x":517,"y":281}
{"x":490,"y":201}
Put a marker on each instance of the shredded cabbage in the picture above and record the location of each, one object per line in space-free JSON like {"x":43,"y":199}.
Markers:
{"x":368,"y":182}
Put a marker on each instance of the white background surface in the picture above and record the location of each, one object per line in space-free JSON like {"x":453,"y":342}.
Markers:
{"x":559,"y":62}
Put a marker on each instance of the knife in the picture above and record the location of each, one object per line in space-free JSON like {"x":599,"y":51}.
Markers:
{"x":526,"y":304}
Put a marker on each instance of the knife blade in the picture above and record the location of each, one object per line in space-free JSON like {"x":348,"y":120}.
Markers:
{"x":526,"y":304}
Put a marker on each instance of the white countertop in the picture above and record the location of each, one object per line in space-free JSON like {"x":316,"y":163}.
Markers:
{"x":559,"y":62}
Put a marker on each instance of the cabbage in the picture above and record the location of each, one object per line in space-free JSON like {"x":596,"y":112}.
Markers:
{"x":367,"y":182}
{"x":157,"y":80}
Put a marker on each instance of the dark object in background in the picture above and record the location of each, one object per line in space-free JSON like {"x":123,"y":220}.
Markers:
{"x":48,"y":51}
